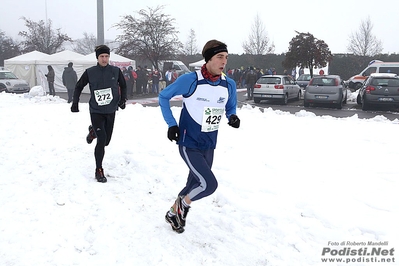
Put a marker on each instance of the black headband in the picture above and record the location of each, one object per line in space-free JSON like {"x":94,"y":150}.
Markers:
{"x":214,"y":50}
{"x":102,"y":50}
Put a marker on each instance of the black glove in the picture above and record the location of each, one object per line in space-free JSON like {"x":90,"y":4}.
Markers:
{"x":74,"y":108}
{"x":234,"y":121}
{"x":122,"y":104}
{"x":173,"y":133}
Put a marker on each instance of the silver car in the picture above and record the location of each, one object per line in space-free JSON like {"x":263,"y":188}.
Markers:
{"x":277,"y":88}
{"x":11,"y":83}
{"x":326,"y":90}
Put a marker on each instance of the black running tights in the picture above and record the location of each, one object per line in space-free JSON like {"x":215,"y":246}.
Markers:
{"x":103,"y":125}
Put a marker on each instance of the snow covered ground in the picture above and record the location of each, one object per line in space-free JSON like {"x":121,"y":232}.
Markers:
{"x":291,"y":186}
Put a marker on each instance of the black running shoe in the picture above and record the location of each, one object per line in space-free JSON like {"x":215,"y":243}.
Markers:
{"x":100,"y":175}
{"x":91,"y":135}
{"x":173,"y":222}
{"x":181,"y":211}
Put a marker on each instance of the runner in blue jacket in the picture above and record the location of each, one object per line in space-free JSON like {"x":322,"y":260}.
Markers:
{"x":208,"y":94}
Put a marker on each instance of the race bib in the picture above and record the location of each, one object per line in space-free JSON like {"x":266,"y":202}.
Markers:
{"x":211,"y":118}
{"x":104,"y":96}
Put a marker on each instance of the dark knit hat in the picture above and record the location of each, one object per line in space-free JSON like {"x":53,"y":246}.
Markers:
{"x":102,"y":49}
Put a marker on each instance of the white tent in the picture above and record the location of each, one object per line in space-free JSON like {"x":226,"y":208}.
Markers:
{"x":32,"y":66}
{"x":59,"y":61}
{"x":197,"y":65}
{"x":115,"y":60}
{"x":24,"y":66}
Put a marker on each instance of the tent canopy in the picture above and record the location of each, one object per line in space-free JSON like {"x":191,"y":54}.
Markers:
{"x":32,"y":66}
{"x":114,"y":59}
{"x":24,"y":66}
{"x":197,"y":65}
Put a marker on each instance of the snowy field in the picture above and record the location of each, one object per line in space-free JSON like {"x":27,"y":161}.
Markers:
{"x":291,"y":187}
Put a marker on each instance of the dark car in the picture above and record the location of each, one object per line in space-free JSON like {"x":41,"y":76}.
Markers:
{"x":303,"y":80}
{"x":326,"y":90}
{"x":379,"y":89}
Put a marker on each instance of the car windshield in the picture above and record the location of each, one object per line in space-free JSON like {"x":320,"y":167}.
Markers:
{"x":7,"y":75}
{"x":323,"y":82}
{"x":269,"y":80}
{"x":304,"y":78}
{"x":385,"y":82}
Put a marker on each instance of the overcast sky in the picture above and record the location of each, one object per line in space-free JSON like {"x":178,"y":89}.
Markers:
{"x":226,"y":21}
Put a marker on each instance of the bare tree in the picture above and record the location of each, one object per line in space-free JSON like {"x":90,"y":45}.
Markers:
{"x":151,"y":36}
{"x":363,"y":42}
{"x":191,"y":47}
{"x":258,"y":42}
{"x":86,"y":45}
{"x":42,"y":37}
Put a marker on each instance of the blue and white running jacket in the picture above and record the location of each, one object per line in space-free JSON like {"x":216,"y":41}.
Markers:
{"x":204,"y":103}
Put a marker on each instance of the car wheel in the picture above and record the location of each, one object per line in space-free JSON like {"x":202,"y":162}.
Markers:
{"x":359,"y":99}
{"x":256,"y":100}
{"x":285,"y":99}
{"x":346,"y":97}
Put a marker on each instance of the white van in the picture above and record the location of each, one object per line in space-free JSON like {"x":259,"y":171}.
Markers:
{"x":374,"y":66}
{"x":179,"y":66}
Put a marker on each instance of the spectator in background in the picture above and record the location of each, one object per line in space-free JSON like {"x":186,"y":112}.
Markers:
{"x":156,"y":76}
{"x":237,"y":77}
{"x":168,"y":76}
{"x":69,"y":79}
{"x":141,"y":76}
{"x":293,"y":73}
{"x":50,"y":79}
{"x":129,"y":80}
{"x":134,"y":77}
{"x":145,"y":82}
{"x":251,"y":77}
{"x":301,"y":71}
{"x":174,"y":75}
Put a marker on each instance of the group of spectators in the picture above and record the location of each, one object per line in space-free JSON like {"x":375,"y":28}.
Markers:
{"x":239,"y":75}
{"x":144,"y":81}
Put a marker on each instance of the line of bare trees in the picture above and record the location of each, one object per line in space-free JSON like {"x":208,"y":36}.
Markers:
{"x":151,"y":35}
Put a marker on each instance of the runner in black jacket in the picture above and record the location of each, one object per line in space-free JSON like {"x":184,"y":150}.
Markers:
{"x":108,"y":91}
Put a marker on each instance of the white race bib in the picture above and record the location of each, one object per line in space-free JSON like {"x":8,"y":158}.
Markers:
{"x":211,"y":118}
{"x":104,"y":96}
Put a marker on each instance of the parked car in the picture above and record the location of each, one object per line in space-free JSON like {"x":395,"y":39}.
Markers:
{"x":329,"y":89}
{"x":379,"y":89}
{"x":276,"y":87}
{"x":11,"y":83}
{"x":303,"y":80}
{"x":375,"y":66}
